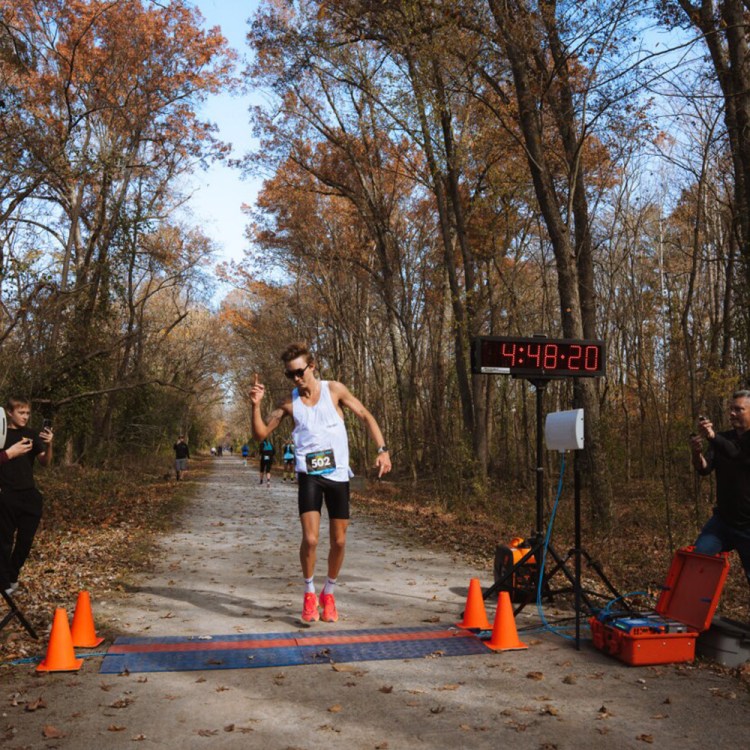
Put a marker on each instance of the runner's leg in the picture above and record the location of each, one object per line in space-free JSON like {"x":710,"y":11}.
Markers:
{"x":309,"y":547}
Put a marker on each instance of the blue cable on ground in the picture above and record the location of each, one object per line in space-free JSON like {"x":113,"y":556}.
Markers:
{"x":38,"y":659}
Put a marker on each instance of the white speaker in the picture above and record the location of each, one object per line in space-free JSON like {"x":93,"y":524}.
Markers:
{"x":3,"y":428}
{"x":563,"y":430}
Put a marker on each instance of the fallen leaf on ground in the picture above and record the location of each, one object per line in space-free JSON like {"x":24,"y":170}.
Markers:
{"x":52,"y":733}
{"x":535,"y":675}
{"x":347,"y":668}
{"x":121,"y":703}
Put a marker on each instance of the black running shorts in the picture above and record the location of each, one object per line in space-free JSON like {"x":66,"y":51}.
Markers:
{"x":312,"y":490}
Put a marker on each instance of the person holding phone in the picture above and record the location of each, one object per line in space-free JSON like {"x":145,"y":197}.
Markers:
{"x":20,"y":500}
{"x":322,"y":463}
{"x":728,"y":455}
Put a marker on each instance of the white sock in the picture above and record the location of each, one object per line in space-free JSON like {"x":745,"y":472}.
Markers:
{"x":330,"y":584}
{"x":309,"y":585}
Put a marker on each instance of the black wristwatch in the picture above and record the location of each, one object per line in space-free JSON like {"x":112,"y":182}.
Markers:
{"x":382,"y":449}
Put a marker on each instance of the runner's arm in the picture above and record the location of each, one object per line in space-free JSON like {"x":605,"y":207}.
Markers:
{"x":342,"y":395}
{"x":260,"y":428}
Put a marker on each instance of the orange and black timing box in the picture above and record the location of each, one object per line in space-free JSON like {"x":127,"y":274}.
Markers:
{"x":684,"y":609}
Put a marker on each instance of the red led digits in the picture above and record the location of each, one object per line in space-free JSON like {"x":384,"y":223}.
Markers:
{"x":509,"y":354}
{"x":537,"y":357}
{"x":550,"y":357}
{"x":535,"y":354}
{"x":576,"y":354}
{"x":591,"y":359}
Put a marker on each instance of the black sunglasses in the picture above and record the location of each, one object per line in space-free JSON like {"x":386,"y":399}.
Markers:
{"x":291,"y":374}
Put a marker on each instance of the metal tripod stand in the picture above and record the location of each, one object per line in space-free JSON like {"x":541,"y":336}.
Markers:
{"x":15,"y":612}
{"x":582,"y":597}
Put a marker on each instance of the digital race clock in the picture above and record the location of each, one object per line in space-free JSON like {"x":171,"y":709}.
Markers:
{"x":537,"y":356}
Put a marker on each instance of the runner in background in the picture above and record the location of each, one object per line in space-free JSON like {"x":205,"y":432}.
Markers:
{"x":266,"y":459}
{"x":288,"y":454}
{"x":181,"y":456}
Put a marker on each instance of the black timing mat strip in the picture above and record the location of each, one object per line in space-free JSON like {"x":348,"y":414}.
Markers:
{"x":176,"y":654}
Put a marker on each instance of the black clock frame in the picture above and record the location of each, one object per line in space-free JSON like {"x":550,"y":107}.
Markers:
{"x":538,"y":357}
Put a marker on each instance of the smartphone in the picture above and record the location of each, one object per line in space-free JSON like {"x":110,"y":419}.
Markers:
{"x":47,"y":424}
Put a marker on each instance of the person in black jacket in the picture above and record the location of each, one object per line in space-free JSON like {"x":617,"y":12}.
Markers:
{"x":181,"y":456}
{"x":728,"y":454}
{"x":20,"y":500}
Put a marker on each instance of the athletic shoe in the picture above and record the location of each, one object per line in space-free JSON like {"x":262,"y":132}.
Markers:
{"x":310,"y":608}
{"x":329,"y":608}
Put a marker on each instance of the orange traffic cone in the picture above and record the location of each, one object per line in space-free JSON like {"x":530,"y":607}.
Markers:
{"x":82,"y":630}
{"x":475,"y":615}
{"x":504,"y":633}
{"x":60,"y":655}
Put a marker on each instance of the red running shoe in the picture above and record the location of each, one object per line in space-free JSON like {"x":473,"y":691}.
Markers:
{"x":329,"y":608}
{"x":310,"y":608}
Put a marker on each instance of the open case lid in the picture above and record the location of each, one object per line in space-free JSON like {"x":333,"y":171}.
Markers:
{"x":693,"y":587}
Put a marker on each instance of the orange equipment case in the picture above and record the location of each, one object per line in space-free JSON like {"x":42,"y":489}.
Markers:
{"x":684,"y":609}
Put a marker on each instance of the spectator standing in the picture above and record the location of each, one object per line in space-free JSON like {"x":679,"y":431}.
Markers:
{"x":181,"y":456}
{"x":21,"y":502}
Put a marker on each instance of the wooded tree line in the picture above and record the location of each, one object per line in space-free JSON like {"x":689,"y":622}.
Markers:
{"x":105,"y":318}
{"x":434,"y":171}
{"x":437,"y":171}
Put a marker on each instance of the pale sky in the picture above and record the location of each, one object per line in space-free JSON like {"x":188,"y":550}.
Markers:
{"x":220,"y":192}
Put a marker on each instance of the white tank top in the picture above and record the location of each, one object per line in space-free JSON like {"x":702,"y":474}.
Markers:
{"x":317,"y":430}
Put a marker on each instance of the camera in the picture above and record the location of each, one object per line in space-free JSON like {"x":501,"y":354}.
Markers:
{"x":701,"y":418}
{"x":47,"y":424}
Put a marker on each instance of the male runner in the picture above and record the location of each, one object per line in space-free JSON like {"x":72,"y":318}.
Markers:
{"x":322,"y":463}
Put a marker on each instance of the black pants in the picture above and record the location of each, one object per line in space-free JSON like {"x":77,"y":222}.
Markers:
{"x":20,"y":514}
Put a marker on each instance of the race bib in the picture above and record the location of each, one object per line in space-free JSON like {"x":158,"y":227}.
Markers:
{"x":320,"y":462}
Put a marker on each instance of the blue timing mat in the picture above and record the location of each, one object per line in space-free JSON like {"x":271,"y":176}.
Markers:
{"x":178,"y":654}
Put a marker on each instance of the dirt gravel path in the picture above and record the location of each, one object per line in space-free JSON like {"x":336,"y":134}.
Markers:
{"x":231,"y":567}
